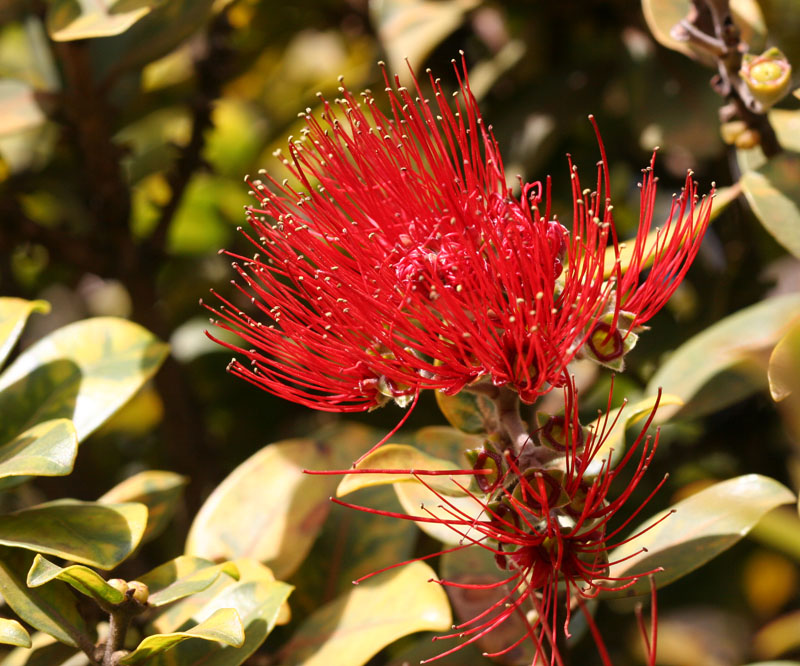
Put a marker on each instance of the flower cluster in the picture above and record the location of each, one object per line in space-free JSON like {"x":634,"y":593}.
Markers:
{"x":397,"y":259}
{"x":547,"y":525}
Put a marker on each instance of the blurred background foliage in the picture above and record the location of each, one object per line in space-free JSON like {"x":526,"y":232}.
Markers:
{"x":126,"y":128}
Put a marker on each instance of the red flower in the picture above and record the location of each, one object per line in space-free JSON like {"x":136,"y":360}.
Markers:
{"x":547,"y":526}
{"x":401,"y":261}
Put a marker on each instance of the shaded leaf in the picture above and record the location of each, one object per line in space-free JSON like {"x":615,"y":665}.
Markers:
{"x":47,"y":449}
{"x":159,"y":491}
{"x":85,"y":580}
{"x":84,"y":371}
{"x":702,"y":526}
{"x":348,"y":631}
{"x":399,"y":457}
{"x":721,"y":346}
{"x":183,"y":576}
{"x":773,"y":192}
{"x":13,"y":633}
{"x":51,"y":608}
{"x":258,"y":604}
{"x":235,"y":522}
{"x":68,"y":20}
{"x":14,"y":312}
{"x":45,"y":651}
{"x":86,"y":532}
{"x":464,"y":410}
{"x":224,"y":626}
{"x":410,"y":29}
{"x":626,"y":416}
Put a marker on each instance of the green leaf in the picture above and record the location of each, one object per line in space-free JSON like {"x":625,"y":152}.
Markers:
{"x":85,"y":372}
{"x":258,"y":604}
{"x":159,"y":491}
{"x":626,"y":416}
{"x":397,"y":457}
{"x":702,"y":526}
{"x":783,"y":371}
{"x":68,"y":20}
{"x":47,"y":449}
{"x":720,"y":347}
{"x":19,"y":110}
{"x":101,"y":535}
{"x":233,"y":521}
{"x":224,"y":626}
{"x":85,"y":580}
{"x":45,"y":651}
{"x":464,"y":410}
{"x":183,"y":576}
{"x":51,"y":608}
{"x":14,"y":312}
{"x":773,"y":192}
{"x":351,"y":629}
{"x":13,"y":633}
{"x":410,"y":29}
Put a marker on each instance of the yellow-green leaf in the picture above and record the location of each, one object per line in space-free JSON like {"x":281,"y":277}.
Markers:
{"x":267,"y":508}
{"x":19,"y":111}
{"x":159,"y":491}
{"x":399,"y":457}
{"x":68,"y":20}
{"x":101,"y":535}
{"x":13,"y":633}
{"x":258,"y":604}
{"x":465,"y":410}
{"x":351,"y":629}
{"x":224,"y":626}
{"x":628,"y":415}
{"x":783,"y":371}
{"x":47,"y":449}
{"x":84,"y":371}
{"x":83,"y":579}
{"x":722,"y":346}
{"x":51,"y":608}
{"x":45,"y":651}
{"x":14,"y":312}
{"x":411,"y":29}
{"x":183,"y":576}
{"x":701,"y":527}
{"x":773,"y":192}
{"x":779,"y":637}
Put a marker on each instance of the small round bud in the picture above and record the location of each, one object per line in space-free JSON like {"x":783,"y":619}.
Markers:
{"x":140,"y":591}
{"x":768,"y":76}
{"x":118,"y":584}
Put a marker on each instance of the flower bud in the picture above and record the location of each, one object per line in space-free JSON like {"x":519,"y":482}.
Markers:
{"x":118,"y":584}
{"x":768,"y":76}
{"x":140,"y":591}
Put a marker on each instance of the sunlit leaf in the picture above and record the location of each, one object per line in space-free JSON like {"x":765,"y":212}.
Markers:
{"x":68,"y":20}
{"x":773,"y":192}
{"x":13,"y":633}
{"x":464,"y":410}
{"x":159,"y":491}
{"x":86,"y":532}
{"x":51,"y":608}
{"x":350,"y":630}
{"x":83,"y":579}
{"x":401,"y":457}
{"x":267,"y":508}
{"x":702,"y":526}
{"x":45,"y":651}
{"x":19,"y":109}
{"x":783,"y":371}
{"x":626,"y":416}
{"x":183,"y":576}
{"x":84,"y":371}
{"x":224,"y":626}
{"x":14,"y":312}
{"x":47,"y":449}
{"x":258,"y":604}
{"x":411,"y":29}
{"x":722,"y":346}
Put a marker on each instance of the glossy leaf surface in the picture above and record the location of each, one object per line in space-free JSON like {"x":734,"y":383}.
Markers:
{"x":13,"y":633}
{"x":46,"y":449}
{"x":464,"y":410}
{"x":83,"y":579}
{"x":68,"y":20}
{"x":224,"y":626}
{"x":183,"y":576}
{"x":701,"y":527}
{"x":84,"y":371}
{"x":86,"y":532}
{"x":159,"y":491}
{"x":14,"y":312}
{"x":783,"y":371}
{"x":350,"y":630}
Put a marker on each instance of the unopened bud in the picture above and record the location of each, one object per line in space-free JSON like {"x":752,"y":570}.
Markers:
{"x":768,"y":76}
{"x":140,"y":591}
{"x":118,"y":584}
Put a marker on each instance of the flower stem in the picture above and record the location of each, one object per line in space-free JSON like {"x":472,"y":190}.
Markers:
{"x":509,"y":419}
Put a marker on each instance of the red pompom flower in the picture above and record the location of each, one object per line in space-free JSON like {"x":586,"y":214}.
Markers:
{"x":397,"y":259}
